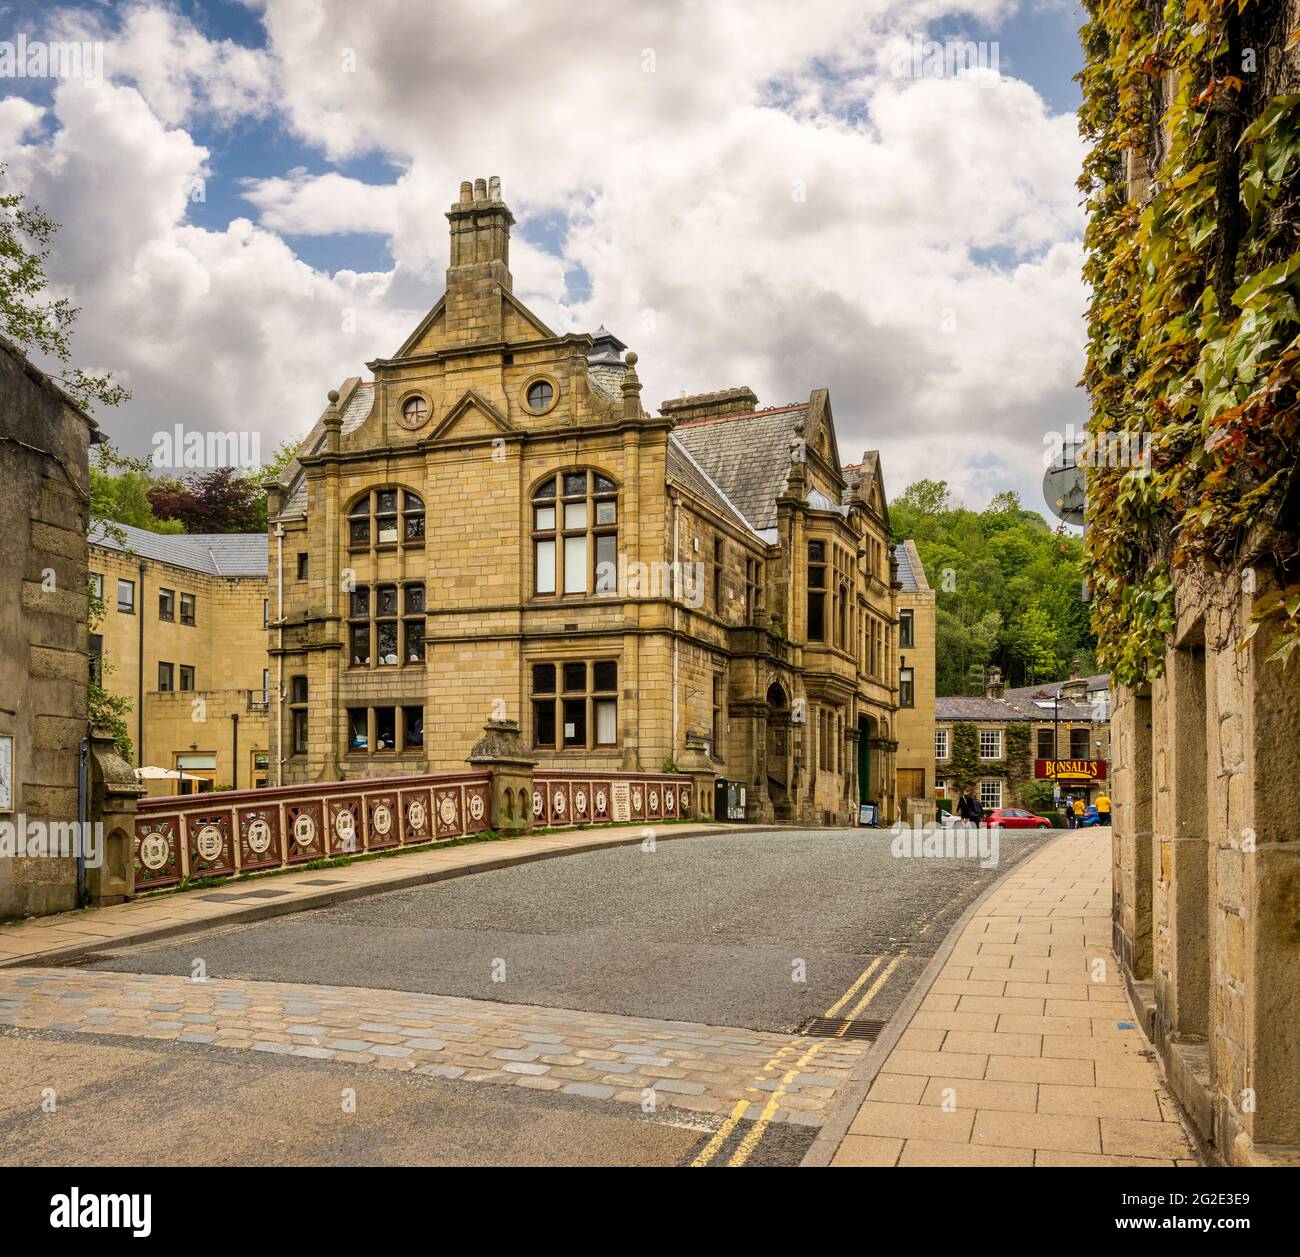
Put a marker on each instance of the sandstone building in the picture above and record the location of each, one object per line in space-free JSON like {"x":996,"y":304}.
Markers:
{"x":494,"y":526}
{"x":183,"y":638}
{"x":1065,"y":734}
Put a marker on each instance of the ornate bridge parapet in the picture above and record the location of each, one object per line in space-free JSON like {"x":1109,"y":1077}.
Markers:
{"x":223,"y":834}
{"x":561,"y":797}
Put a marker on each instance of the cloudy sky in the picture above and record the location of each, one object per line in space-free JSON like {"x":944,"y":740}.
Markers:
{"x":757,"y":192}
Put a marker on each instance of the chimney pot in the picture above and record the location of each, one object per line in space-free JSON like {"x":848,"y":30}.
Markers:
{"x":466,"y":192}
{"x":494,"y":188}
{"x":480,"y":190}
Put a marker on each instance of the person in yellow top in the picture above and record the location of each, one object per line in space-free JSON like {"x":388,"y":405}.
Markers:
{"x":1078,"y":808}
{"x":1103,"y":809}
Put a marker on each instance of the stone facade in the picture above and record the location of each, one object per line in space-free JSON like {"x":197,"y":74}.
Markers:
{"x":1206,"y":875}
{"x":1074,"y":732}
{"x":494,"y":529}
{"x":44,"y":466}
{"x":183,"y":639}
{"x":915,"y":765}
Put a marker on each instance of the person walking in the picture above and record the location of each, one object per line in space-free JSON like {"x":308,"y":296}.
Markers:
{"x":1067,"y":810}
{"x":1079,"y":810}
{"x":963,"y":807}
{"x":1103,"y":809}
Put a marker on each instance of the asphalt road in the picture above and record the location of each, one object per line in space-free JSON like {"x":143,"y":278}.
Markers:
{"x":713,"y":929}
{"x":704,"y":929}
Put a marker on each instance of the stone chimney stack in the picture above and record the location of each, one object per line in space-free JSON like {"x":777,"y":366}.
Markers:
{"x":1074,"y":671}
{"x":479,"y":273}
{"x":993,"y":685}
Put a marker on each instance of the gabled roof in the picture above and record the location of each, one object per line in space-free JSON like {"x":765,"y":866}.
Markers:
{"x":747,"y":456}
{"x":213,"y":554}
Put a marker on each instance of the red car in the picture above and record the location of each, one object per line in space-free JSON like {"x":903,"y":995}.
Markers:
{"x":1015,"y":818}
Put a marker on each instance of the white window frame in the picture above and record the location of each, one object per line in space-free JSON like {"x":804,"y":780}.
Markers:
{"x":996,"y":734}
{"x":990,"y":786}
{"x":946,"y":735}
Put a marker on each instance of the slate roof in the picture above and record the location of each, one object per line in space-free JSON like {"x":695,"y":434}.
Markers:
{"x":214,"y":554}
{"x":1019,"y":704}
{"x":685,"y":471}
{"x":355,"y":413}
{"x":746,"y":455}
{"x":977,"y":707}
{"x":906,"y":577}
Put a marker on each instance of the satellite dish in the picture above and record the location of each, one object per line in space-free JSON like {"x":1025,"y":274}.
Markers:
{"x":1063,"y":484}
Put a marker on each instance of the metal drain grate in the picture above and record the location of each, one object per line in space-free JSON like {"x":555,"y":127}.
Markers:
{"x":841,"y":1028}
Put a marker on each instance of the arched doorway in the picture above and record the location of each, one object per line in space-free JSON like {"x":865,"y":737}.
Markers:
{"x":778,"y":745}
{"x":866,"y":731}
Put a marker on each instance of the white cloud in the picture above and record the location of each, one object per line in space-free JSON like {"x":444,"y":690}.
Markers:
{"x":768,"y":206}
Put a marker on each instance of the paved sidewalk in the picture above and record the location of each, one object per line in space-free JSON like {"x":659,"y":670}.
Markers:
{"x":711,"y":1070}
{"x":1025,"y":1050}
{"x":157,"y":916}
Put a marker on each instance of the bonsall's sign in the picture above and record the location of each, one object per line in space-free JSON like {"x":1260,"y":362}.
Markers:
{"x":1070,"y":769}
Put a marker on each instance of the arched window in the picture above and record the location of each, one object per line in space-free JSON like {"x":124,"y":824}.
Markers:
{"x":575,"y":534}
{"x":382,"y":517}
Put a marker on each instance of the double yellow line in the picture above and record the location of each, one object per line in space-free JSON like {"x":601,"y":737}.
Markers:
{"x":745,"y":1148}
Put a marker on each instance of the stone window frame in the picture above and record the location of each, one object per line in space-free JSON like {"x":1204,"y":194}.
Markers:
{"x":907,"y":688}
{"x":991,"y":733}
{"x":129,"y":607}
{"x":166,"y":677}
{"x":558,"y":534}
{"x":946,"y":735}
{"x":401,"y":730}
{"x":594,"y":694}
{"x":405,"y":621}
{"x":988,"y":788}
{"x":192,"y":617}
{"x":817,"y":593}
{"x":298,"y":719}
{"x":404,"y":400}
{"x":542,"y":377}
{"x":906,"y":640}
{"x":185,"y":672}
{"x":409,"y":513}
{"x":166,"y":604}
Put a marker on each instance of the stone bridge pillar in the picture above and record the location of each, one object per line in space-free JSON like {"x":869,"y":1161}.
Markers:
{"x":114,"y":792}
{"x":501,"y":751}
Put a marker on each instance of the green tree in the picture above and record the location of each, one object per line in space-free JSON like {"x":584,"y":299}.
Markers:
{"x":1008,"y":587}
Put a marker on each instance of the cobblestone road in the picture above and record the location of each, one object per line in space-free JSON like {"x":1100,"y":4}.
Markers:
{"x":649,"y":1063}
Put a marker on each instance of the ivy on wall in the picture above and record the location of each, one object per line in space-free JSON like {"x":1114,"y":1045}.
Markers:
{"x":965,"y":756}
{"x":1193,"y":321}
{"x":967,"y":768}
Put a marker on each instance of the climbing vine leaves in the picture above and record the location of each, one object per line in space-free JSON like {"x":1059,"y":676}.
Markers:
{"x":1192,"y":183}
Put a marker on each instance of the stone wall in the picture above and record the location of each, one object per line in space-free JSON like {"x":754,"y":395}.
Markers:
{"x":44,"y":509}
{"x":1207,"y":874}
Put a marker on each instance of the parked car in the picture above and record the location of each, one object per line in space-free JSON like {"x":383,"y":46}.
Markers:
{"x":1016,"y":818}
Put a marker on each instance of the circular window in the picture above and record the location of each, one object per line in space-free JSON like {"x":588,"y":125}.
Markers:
{"x":415,"y":410}
{"x":541,"y":394}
